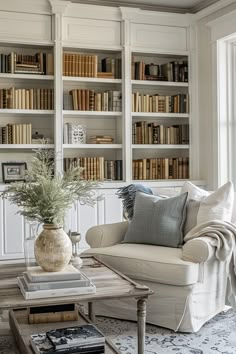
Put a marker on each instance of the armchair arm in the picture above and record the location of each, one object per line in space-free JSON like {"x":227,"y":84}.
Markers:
{"x":106,"y":235}
{"x":199,"y":250}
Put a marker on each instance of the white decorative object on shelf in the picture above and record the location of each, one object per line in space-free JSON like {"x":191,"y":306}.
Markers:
{"x":74,"y":133}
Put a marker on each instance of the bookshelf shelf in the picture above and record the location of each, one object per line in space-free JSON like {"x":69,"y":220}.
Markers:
{"x":13,"y":77}
{"x":159,"y":83}
{"x":25,"y":146}
{"x":92,"y":113}
{"x":71,"y":79}
{"x":159,"y":115}
{"x":160,"y":146}
{"x":92,"y":146}
{"x":26,"y":111}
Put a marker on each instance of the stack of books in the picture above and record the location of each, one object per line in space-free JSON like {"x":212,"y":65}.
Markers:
{"x":36,"y":283}
{"x":79,"y":339}
{"x":101,"y":139}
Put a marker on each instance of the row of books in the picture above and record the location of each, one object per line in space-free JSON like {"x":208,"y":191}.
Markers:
{"x":161,"y":168}
{"x":152,"y":133}
{"x":34,"y":98}
{"x":89,"y":100}
{"x":97,"y":168}
{"x":160,"y":103}
{"x":83,"y":65}
{"x":39,"y":63}
{"x":80,"y":339}
{"x":176,"y":71}
{"x":16,"y":134}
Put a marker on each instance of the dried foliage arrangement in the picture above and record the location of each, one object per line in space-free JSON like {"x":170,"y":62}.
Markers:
{"x":45,"y":196}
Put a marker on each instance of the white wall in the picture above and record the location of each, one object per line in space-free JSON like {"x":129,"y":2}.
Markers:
{"x":207,"y":97}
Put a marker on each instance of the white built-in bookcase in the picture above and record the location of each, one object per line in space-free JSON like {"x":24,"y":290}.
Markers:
{"x":130,"y":34}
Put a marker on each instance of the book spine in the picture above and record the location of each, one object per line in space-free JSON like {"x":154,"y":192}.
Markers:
{"x":62,"y":316}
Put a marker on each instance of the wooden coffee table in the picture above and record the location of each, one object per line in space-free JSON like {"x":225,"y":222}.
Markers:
{"x":110,"y":284}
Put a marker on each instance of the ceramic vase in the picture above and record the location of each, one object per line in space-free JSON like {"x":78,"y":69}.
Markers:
{"x":53,"y":248}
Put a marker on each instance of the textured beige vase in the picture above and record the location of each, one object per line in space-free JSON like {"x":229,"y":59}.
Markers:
{"x":53,"y":248}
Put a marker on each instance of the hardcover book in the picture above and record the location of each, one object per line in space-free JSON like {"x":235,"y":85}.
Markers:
{"x":42,"y":345}
{"x":37,"y":274}
{"x":39,"y":294}
{"x":69,"y":337}
{"x":53,"y":313}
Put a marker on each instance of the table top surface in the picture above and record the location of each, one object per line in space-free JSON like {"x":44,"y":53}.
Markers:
{"x":109,"y":284}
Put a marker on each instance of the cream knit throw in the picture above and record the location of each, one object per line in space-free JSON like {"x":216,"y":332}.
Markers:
{"x":223,"y":236}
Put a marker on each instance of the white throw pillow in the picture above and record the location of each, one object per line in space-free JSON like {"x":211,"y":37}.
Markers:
{"x":194,"y":192}
{"x":217,"y":205}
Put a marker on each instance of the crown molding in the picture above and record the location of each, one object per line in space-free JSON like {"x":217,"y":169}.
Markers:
{"x":204,"y":5}
{"x":143,"y":6}
{"x":213,"y":8}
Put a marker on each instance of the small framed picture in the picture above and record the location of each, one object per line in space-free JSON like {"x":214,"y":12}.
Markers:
{"x":13,"y":171}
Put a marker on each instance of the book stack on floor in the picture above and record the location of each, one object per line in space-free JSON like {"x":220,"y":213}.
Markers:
{"x":84,"y":339}
{"x":36,"y":283}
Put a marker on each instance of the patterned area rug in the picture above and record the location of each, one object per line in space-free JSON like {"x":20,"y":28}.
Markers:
{"x":215,"y":337}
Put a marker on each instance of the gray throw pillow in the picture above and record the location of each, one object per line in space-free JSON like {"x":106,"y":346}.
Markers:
{"x":157,"y":221}
{"x":191,"y":215}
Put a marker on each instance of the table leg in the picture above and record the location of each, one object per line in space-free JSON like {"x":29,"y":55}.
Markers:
{"x":141,"y":312}
{"x":91,"y":313}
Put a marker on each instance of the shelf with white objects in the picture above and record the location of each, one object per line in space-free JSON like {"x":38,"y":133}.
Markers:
{"x":92,"y":111}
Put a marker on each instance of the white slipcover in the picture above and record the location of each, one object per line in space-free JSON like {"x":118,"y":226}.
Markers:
{"x":187,"y":293}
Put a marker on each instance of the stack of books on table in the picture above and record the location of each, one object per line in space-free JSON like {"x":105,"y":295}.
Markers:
{"x":36,"y":283}
{"x":79,"y":339}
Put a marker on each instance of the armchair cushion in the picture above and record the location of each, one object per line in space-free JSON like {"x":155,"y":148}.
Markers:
{"x":157,"y":221}
{"x":150,"y":263}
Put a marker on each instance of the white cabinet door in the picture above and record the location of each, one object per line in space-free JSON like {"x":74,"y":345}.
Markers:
{"x":79,"y":218}
{"x":12,"y":229}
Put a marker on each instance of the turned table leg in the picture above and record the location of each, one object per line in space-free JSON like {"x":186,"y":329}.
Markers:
{"x":91,"y":313}
{"x":141,"y":312}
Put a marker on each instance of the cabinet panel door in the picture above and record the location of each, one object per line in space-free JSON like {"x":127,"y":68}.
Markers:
{"x":29,"y":27}
{"x":91,"y":32}
{"x":11,"y":231}
{"x":159,"y":37}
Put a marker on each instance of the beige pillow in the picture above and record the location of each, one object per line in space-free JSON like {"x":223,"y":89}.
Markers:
{"x":217,"y":205}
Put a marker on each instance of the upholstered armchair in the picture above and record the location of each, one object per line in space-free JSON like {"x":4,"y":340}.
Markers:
{"x":189,"y":281}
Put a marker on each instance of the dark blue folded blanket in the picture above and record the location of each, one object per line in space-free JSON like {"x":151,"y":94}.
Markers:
{"x":127,"y":194}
